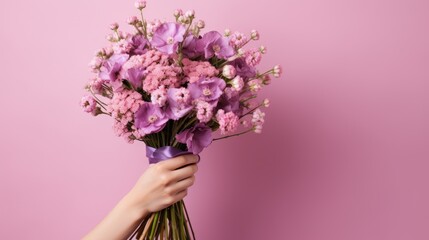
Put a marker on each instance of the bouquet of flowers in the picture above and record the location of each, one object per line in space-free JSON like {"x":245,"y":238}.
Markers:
{"x":170,"y":86}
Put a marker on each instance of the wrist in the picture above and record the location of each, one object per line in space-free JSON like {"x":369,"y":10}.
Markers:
{"x":133,"y":206}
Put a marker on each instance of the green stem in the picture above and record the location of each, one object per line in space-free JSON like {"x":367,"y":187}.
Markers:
{"x":234,"y":135}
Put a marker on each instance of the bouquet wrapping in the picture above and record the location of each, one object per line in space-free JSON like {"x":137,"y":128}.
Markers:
{"x":171,"y":86}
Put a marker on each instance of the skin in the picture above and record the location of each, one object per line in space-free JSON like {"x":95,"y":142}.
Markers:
{"x":160,"y":186}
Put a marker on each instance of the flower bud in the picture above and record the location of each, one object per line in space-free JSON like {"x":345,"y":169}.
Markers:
{"x":277,"y":71}
{"x":227,"y":33}
{"x":266,"y":102}
{"x":178,"y":13}
{"x":114,"y":26}
{"x":132,"y":20}
{"x":237,"y":83}
{"x":140,"y":4}
{"x":229,"y":71}
{"x":254,"y":35}
{"x":110,"y":38}
{"x":190,"y":14}
{"x":266,"y":79}
{"x":263,"y":49}
{"x":201,"y":24}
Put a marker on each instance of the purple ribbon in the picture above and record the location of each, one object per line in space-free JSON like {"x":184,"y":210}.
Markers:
{"x":156,"y":155}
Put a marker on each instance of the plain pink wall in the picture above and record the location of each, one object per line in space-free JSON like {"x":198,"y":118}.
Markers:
{"x":344,"y":154}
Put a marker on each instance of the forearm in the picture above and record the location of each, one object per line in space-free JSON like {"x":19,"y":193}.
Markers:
{"x":119,"y":223}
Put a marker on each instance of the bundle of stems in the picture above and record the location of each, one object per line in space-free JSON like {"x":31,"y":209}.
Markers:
{"x":171,"y":223}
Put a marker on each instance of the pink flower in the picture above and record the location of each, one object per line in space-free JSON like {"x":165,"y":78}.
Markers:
{"x":228,"y":122}
{"x":122,"y":107}
{"x":253,"y":57}
{"x":88,"y":104}
{"x":238,"y":39}
{"x":229,"y":71}
{"x":159,"y":75}
{"x":204,"y":111}
{"x":159,"y":96}
{"x":258,"y":120}
{"x":237,"y":83}
{"x":254,"y":35}
{"x":196,"y":69}
{"x":277,"y":71}
{"x":254,"y":85}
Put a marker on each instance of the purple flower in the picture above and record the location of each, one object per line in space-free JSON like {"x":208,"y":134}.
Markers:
{"x":110,"y":68}
{"x":149,"y":119}
{"x":135,"y":76}
{"x":139,"y":44}
{"x":196,"y":138}
{"x":214,"y":44}
{"x":243,"y":69}
{"x":230,"y":102}
{"x":178,"y":103}
{"x":167,"y":37}
{"x":207,"y":89}
{"x":190,"y":49}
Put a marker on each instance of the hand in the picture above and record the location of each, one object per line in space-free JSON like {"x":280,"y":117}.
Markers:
{"x":163,"y":184}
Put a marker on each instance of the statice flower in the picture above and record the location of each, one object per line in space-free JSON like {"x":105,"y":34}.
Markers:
{"x":149,"y":119}
{"x":178,"y":103}
{"x":167,"y":37}
{"x":122,"y":108}
{"x":196,"y":138}
{"x":159,"y":96}
{"x":158,"y":75}
{"x":228,"y":122}
{"x":195,"y":70}
{"x":207,"y":89}
{"x":204,"y":111}
{"x":214,"y":44}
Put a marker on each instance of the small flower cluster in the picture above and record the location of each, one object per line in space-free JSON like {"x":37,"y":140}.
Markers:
{"x":169,"y":82}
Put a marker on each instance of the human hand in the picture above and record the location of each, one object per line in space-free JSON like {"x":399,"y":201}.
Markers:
{"x":163,"y":184}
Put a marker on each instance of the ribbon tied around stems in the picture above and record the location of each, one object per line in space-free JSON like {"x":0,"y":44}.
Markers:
{"x":156,"y":155}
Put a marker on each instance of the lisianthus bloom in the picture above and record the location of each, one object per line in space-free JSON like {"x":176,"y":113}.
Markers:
{"x":167,"y":37}
{"x":149,"y":119}
{"x":133,"y":71}
{"x":230,"y":101}
{"x":207,"y":89}
{"x":243,"y":69}
{"x":138,"y":43}
{"x":214,"y":44}
{"x":196,"y":138}
{"x":110,"y":68}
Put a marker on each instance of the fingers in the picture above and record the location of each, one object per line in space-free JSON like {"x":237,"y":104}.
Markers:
{"x":184,"y":172}
{"x":182,"y":185}
{"x":180,"y":161}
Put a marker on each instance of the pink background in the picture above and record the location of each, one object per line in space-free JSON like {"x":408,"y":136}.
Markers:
{"x":344,"y":153}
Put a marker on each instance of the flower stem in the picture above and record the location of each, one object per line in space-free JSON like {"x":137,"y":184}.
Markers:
{"x":234,"y":135}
